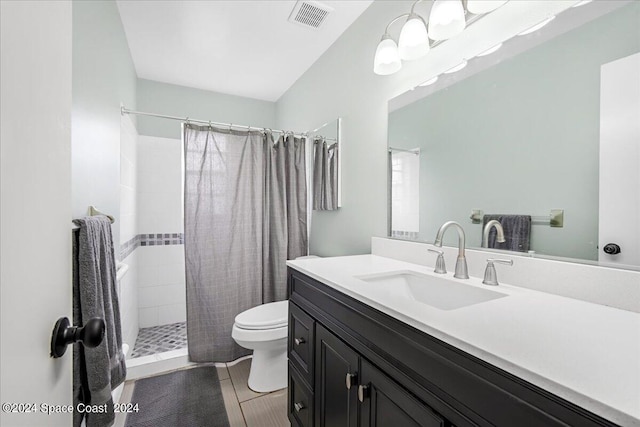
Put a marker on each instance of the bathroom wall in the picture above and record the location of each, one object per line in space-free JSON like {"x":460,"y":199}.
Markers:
{"x":342,"y":84}
{"x":128,"y":285}
{"x":161,"y":276}
{"x":103,"y":78}
{"x":163,"y":98}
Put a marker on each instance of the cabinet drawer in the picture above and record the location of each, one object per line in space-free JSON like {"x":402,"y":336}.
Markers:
{"x":301,"y":342}
{"x":300,"y":405}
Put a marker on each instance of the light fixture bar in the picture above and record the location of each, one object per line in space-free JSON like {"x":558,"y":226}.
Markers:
{"x":490,"y":50}
{"x":537,"y":26}
{"x":458,"y":67}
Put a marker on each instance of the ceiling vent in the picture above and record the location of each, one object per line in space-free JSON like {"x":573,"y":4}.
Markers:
{"x":310,"y":14}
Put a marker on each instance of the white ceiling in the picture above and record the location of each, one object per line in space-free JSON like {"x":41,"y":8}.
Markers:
{"x":245,"y":48}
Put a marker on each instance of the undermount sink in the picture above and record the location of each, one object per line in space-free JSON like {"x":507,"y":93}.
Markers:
{"x":438,"y":292}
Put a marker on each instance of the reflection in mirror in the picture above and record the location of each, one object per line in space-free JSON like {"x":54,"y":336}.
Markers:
{"x":525,"y":131}
{"x":325,"y":166}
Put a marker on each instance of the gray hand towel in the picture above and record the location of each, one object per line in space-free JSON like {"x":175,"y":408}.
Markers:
{"x":517,"y":232}
{"x":99,"y":370}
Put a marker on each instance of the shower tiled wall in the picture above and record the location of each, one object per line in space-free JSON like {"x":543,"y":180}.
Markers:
{"x":128,"y":287}
{"x":159,"y":243}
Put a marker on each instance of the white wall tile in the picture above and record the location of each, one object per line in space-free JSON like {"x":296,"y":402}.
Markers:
{"x":171,"y":254}
{"x":146,"y":256}
{"x":171,"y":274}
{"x":127,"y":172}
{"x":128,"y":229}
{"x":172,"y":314}
{"x":127,"y":200}
{"x":148,"y":297}
{"x":129,"y":302}
{"x":161,"y":275}
{"x":147,"y":274}
{"x":148,"y":317}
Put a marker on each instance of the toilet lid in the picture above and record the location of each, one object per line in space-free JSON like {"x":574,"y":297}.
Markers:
{"x":265,"y":316}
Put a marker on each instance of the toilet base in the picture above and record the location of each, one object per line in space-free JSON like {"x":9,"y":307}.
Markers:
{"x":268,"y":370}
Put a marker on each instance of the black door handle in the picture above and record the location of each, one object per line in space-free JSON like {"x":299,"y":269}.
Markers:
{"x":91,"y":335}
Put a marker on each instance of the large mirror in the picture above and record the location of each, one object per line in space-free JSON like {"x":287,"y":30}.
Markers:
{"x":530,"y":130}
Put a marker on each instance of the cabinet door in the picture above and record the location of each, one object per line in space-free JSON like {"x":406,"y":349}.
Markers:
{"x":336,"y":396}
{"x":384,"y":403}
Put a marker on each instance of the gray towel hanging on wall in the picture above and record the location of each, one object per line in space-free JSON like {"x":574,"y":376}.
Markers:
{"x":517,"y":232}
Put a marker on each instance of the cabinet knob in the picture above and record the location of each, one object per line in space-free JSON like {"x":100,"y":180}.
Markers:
{"x":363,"y":392}
{"x":350,"y":379}
{"x":298,"y":406}
{"x":299,"y":341}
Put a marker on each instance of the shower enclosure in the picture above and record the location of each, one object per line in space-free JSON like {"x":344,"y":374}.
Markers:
{"x":152,"y":293}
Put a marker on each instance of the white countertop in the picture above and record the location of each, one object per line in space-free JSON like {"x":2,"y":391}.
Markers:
{"x":586,"y":353}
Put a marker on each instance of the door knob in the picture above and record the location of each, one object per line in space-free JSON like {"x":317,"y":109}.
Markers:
{"x":91,"y":335}
{"x":611,"y":249}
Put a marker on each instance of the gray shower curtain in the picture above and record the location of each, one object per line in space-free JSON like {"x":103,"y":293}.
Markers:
{"x":245,"y":215}
{"x":325,"y":175}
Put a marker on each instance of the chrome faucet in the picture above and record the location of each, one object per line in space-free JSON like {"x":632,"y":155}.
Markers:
{"x":490,"y":276}
{"x":499,"y":230}
{"x":440,"y":266}
{"x":461,"y":262}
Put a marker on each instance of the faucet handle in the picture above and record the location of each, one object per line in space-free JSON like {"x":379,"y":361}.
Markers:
{"x":490,"y":275}
{"x":440,"y":267}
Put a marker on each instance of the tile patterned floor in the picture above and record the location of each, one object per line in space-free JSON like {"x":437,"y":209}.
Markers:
{"x":245,"y":408}
{"x":159,"y":339}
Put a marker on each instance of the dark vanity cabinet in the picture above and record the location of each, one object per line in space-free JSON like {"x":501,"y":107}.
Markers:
{"x":351,"y":365}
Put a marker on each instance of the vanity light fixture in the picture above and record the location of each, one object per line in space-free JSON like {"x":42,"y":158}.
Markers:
{"x":387,"y":59}
{"x":458,"y":67}
{"x":429,"y":82}
{"x":446,"y":19}
{"x":582,"y":3}
{"x":537,"y":26}
{"x":478,"y":7}
{"x":490,"y":50}
{"x":414,"y":40}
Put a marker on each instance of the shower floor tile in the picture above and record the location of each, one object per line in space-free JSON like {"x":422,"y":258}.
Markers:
{"x":159,"y":339}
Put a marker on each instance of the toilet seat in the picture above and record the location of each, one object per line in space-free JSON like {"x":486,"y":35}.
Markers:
{"x":266,"y":316}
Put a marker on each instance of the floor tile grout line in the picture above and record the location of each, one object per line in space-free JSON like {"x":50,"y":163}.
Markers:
{"x":262,"y":394}
{"x":244,"y":418}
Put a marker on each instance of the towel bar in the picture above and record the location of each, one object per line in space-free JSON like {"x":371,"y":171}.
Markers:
{"x":93,"y":211}
{"x":554,"y":219}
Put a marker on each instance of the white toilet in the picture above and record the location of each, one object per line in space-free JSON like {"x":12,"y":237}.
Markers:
{"x":264,"y":330}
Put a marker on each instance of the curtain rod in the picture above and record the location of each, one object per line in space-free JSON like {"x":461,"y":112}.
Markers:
{"x":124,"y":110}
